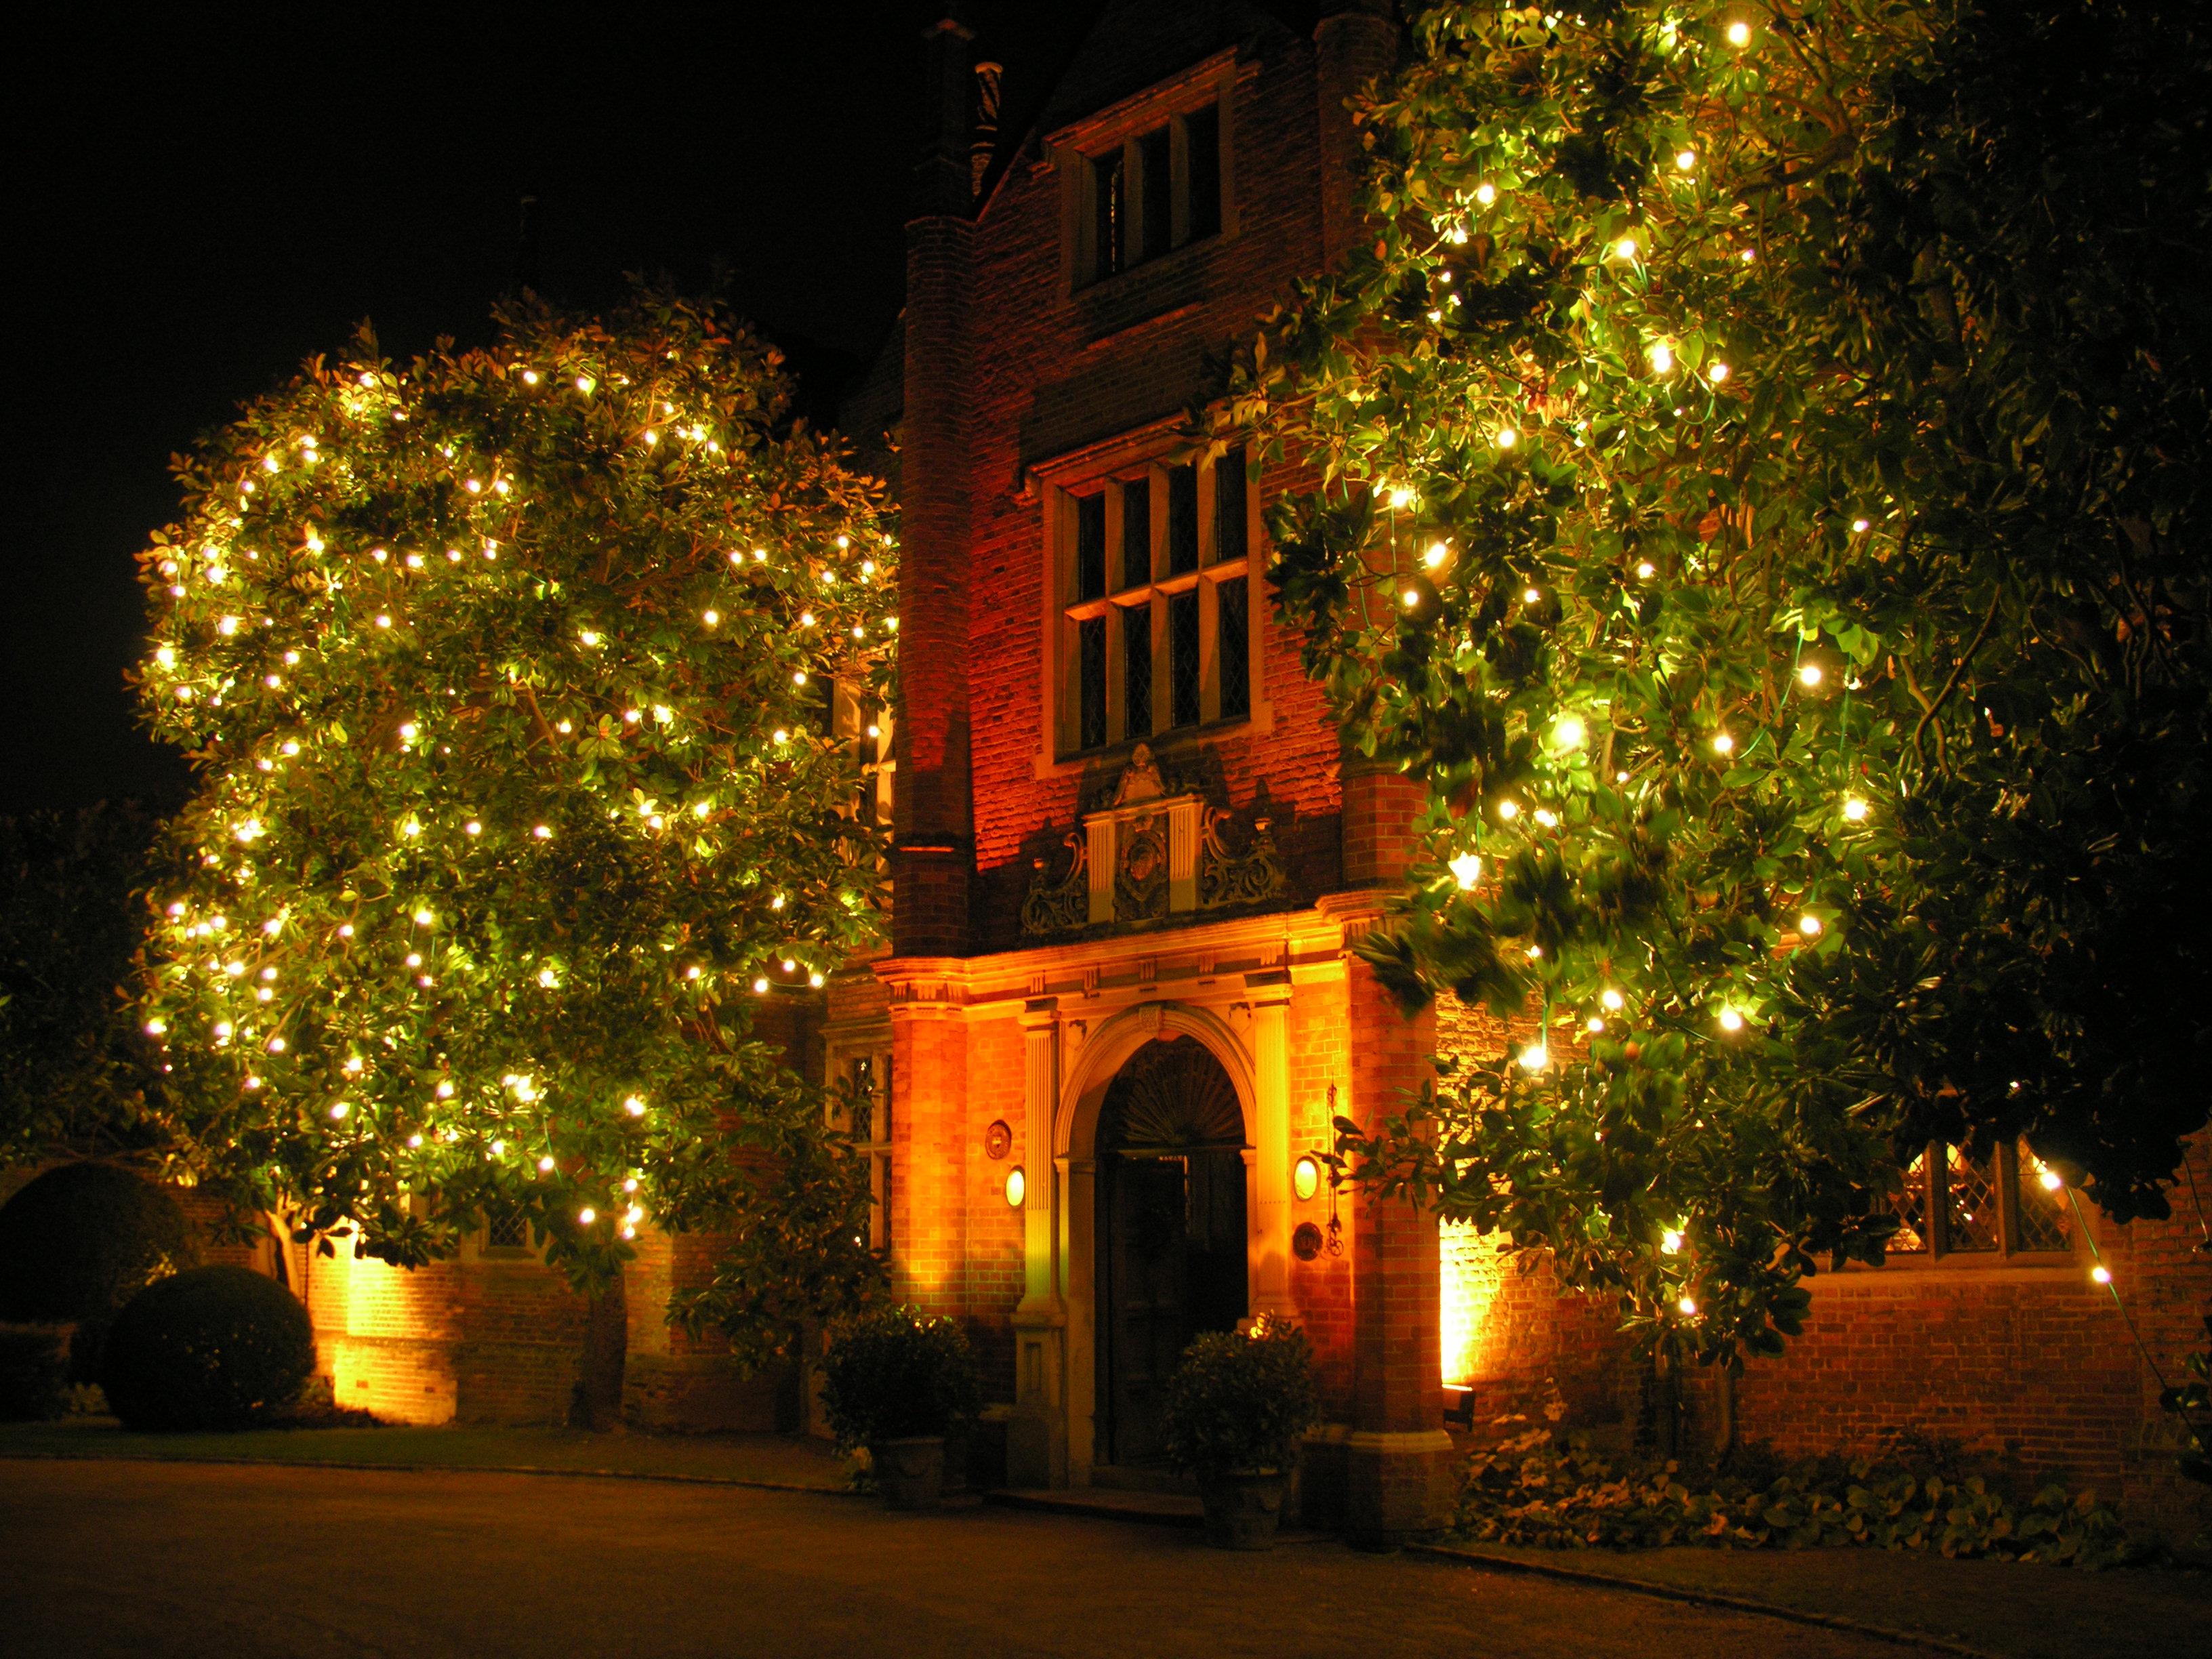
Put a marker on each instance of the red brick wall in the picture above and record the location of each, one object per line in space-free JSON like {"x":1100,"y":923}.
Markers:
{"x":1049,"y":372}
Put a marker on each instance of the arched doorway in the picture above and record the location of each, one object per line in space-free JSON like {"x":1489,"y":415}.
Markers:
{"x":1172,"y":1247}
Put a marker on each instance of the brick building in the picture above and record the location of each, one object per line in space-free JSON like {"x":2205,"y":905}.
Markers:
{"x":1118,"y":1012}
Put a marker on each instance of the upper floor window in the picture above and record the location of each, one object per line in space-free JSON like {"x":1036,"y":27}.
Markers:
{"x":1154,"y":191}
{"x":1960,"y":1210}
{"x":1156,"y":620}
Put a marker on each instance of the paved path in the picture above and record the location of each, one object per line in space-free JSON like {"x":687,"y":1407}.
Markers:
{"x":103,"y":1558}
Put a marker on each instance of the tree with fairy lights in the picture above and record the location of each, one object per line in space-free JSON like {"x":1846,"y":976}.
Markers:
{"x":506,"y":674}
{"x":1763,"y":458}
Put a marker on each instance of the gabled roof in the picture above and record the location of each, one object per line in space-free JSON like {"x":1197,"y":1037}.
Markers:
{"x":1135,"y":43}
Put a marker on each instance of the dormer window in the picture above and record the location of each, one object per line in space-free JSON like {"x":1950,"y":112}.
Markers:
{"x":1154,"y":190}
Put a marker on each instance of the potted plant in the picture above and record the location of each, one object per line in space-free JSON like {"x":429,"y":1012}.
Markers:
{"x":1235,"y":1409}
{"x":894,"y":1380}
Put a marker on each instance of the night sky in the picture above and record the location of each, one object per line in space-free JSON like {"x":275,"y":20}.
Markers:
{"x":199,"y":198}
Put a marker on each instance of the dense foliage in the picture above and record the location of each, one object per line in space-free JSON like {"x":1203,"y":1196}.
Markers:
{"x":34,"y":1372}
{"x":507,"y":675}
{"x":796,"y":1252}
{"x":209,"y":1348}
{"x":896,"y":1373}
{"x":80,"y":1241}
{"x":1763,"y":460}
{"x":1530,"y":1489}
{"x":74,"y":1069}
{"x":1239,"y":1401}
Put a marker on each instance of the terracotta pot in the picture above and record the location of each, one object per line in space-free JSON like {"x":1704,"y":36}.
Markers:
{"x":1243,"y":1507}
{"x":910,"y":1473}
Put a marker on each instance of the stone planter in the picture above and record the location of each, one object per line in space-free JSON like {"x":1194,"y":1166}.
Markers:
{"x":910,"y":1473}
{"x":1244,"y":1508}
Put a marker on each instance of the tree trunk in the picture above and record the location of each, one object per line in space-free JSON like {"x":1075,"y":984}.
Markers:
{"x":597,"y":1401}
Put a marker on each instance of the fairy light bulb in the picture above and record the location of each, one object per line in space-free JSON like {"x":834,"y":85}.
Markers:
{"x":1716,"y":373}
{"x":1685,"y":160}
{"x":1854,"y":809}
{"x":1614,"y":1001}
{"x":2101,"y":1273}
{"x":545,"y":1164}
{"x":1671,"y":1241}
{"x":1509,"y":809}
{"x":1626,"y":247}
{"x":760,"y":987}
{"x":2050,"y":1179}
{"x":1411,"y":598}
{"x":1688,"y":1305}
{"x":633,"y":1106}
{"x":1647,"y":570}
{"x":1467,"y":870}
{"x":1435,"y":555}
{"x":1535,"y":1057}
{"x":815,"y":981}
{"x":1809,"y":925}
{"x":1507,"y":437}
{"x":1661,"y":356}
{"x":1739,"y":35}
{"x":1811,"y":674}
{"x":1731,"y":1020}
{"x":710,"y":617}
{"x":1860,"y":526}
{"x":1569,"y":732}
{"x":1723,"y":744}
{"x":586,"y":1216}
{"x":1594,"y":1024}
{"x":1486,"y":194}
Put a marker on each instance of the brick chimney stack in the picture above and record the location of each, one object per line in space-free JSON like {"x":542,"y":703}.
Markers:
{"x":932,"y":842}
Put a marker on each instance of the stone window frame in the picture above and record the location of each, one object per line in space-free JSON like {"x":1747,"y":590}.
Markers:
{"x":1059,"y":486}
{"x":531,"y":1255}
{"x":1121,"y":128}
{"x":2010,"y":1167}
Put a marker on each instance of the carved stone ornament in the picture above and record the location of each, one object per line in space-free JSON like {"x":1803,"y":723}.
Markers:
{"x":1140,"y":885}
{"x":998,"y":1140}
{"x":1144,"y":855}
{"x":1060,"y":904}
{"x":1140,"y":779}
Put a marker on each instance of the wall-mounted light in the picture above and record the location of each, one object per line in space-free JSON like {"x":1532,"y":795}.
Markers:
{"x":1305,"y":1176}
{"x":1017,"y":1186}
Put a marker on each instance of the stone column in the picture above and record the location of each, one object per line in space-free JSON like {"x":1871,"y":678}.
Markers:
{"x":1271,"y":1139}
{"x":1036,"y":1439}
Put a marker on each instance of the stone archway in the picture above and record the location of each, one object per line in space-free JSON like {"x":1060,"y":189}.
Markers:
{"x":1172,"y":1248}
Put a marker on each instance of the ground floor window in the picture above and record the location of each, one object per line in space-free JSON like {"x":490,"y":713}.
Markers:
{"x":1964,"y":1209}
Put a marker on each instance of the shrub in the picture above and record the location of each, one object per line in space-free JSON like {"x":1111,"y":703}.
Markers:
{"x":1534,"y":1489}
{"x":81,"y":1240}
{"x":212,"y":1348}
{"x":33,"y":1374}
{"x":1241,"y":1401}
{"x":896,"y":1373}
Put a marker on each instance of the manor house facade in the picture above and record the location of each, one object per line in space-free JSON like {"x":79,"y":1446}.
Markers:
{"x":1119,"y":1010}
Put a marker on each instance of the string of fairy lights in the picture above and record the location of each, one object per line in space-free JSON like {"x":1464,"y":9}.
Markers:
{"x":1654,"y":267}
{"x":442,"y":642}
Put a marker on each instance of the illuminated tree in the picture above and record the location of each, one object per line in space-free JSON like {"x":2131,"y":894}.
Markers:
{"x":506,"y":674}
{"x":1762,"y":457}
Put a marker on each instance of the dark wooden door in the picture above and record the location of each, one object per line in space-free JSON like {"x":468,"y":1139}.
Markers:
{"x":1147,"y":1271}
{"x":1175,"y":1266}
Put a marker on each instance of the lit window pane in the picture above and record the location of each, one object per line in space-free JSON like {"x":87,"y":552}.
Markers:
{"x":1910,"y":1204}
{"x":1970,"y":1218}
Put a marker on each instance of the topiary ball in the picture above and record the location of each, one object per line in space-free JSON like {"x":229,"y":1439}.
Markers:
{"x":212,"y":1348}
{"x":80,"y":1241}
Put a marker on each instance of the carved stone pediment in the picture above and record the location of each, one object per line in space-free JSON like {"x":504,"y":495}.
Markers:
{"x":1144,"y":856}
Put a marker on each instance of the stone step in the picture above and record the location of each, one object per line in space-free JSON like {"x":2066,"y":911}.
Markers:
{"x":1141,"y":1477}
{"x":1161,"y":1509}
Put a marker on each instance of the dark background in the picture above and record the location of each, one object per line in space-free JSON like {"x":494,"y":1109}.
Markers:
{"x":200,"y":198}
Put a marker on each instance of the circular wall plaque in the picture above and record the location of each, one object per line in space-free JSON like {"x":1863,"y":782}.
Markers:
{"x":1305,"y":1243}
{"x":998,"y":1140}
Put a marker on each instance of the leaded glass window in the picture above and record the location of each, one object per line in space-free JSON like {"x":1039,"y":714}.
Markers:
{"x":1952,"y":1205}
{"x":1156,"y":601}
